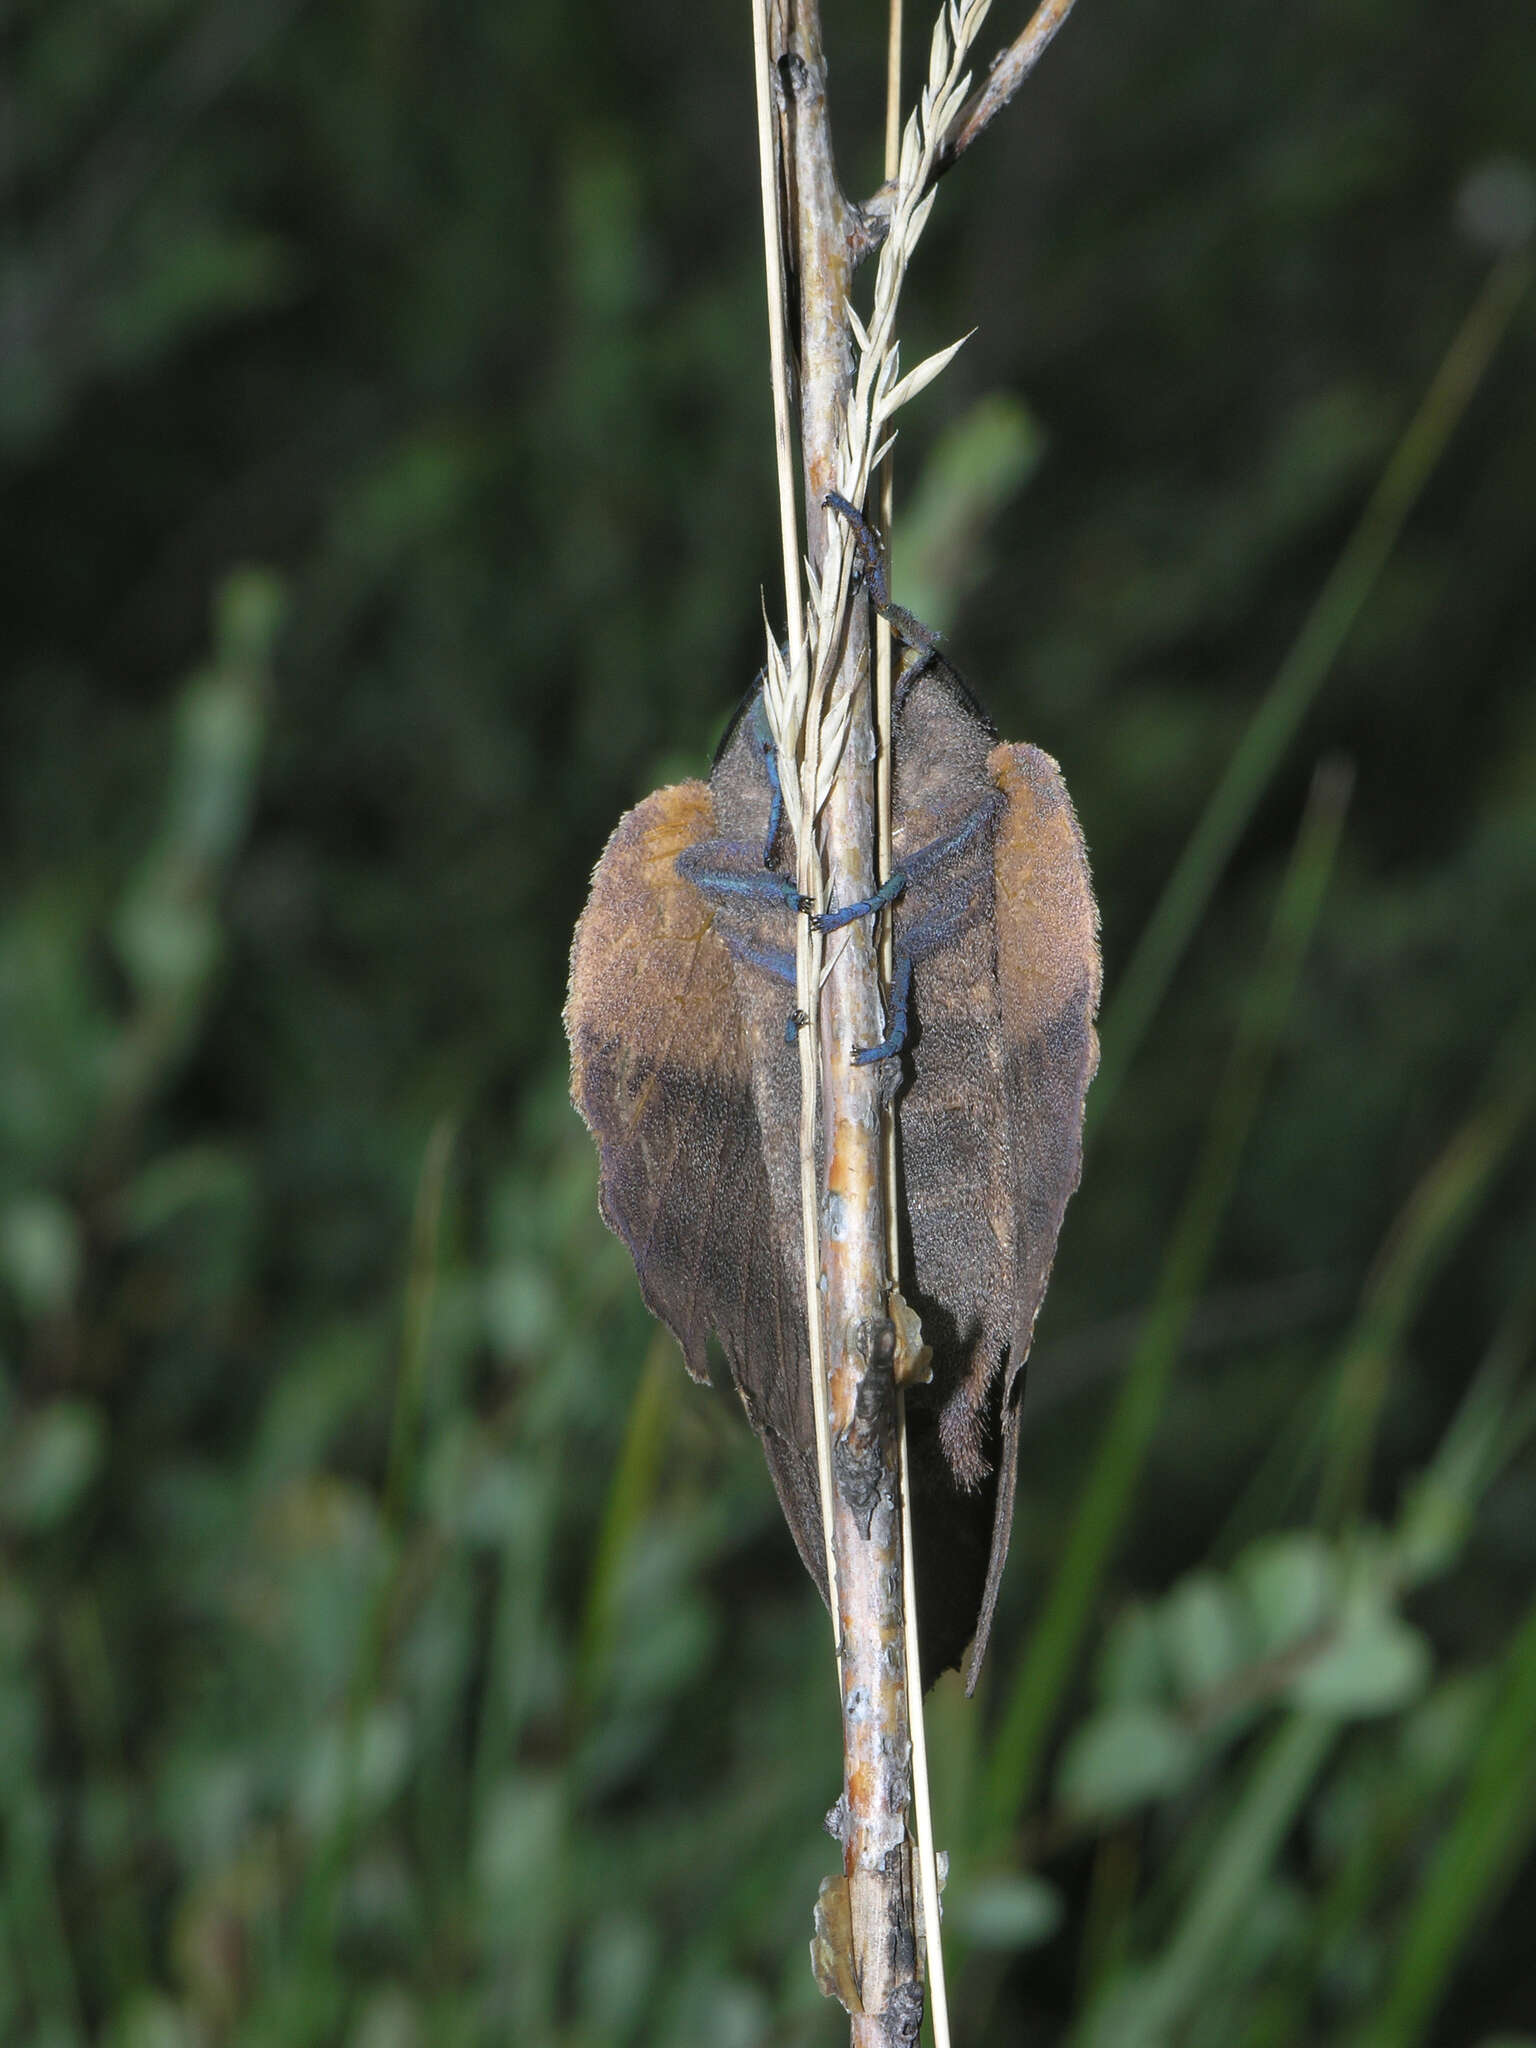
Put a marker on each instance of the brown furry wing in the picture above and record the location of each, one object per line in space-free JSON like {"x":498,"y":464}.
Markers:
{"x":1048,"y":977}
{"x":661,"y":1070}
{"x":679,"y":1068}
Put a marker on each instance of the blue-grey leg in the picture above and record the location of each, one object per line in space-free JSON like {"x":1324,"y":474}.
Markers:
{"x":709,"y":866}
{"x":938,"y":852}
{"x":912,"y":630}
{"x":896,"y":1018}
{"x":776,"y":804}
{"x":917,"y":867}
{"x":763,"y":739}
{"x":888,"y":891}
{"x":780,"y":963}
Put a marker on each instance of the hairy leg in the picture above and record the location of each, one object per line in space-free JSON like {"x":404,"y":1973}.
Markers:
{"x":730,"y":868}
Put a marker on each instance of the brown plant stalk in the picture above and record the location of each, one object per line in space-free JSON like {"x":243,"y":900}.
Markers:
{"x":866,"y":1525}
{"x":818,"y":698}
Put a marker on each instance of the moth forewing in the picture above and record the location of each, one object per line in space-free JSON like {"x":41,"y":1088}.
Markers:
{"x":681,"y":985}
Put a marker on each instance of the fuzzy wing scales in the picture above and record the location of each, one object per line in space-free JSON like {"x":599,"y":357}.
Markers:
{"x":673,"y":1067}
{"x":659,"y":1073}
{"x":1048,"y":976}
{"x":661,"y":1070}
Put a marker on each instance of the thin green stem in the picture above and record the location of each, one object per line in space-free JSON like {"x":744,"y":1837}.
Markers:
{"x":318,"y":1912}
{"x":1283,"y":1774}
{"x":629,"y":1499}
{"x":1431,"y":1224}
{"x":420,"y":1297}
{"x":37,"y":1915}
{"x":1491,"y":1833}
{"x":1303,"y":672}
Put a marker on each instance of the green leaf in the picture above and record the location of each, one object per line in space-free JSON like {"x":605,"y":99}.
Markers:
{"x":151,"y":2020}
{"x":1203,"y":1632}
{"x":51,"y":1461}
{"x":1011,"y":1910}
{"x":219,"y":733}
{"x":354,"y":1772}
{"x":249,"y":609}
{"x":520,"y":1844}
{"x":1123,"y":1757}
{"x":167,"y":938}
{"x":1377,"y":1665}
{"x":39,"y":1254}
{"x":1130,"y":1664}
{"x":1291,"y":1582}
{"x":1444,"y":1730}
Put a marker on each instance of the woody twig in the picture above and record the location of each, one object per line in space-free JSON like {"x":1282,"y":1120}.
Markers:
{"x":881,"y":1979}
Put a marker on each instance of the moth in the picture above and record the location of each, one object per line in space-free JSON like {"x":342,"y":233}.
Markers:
{"x":682,"y":977}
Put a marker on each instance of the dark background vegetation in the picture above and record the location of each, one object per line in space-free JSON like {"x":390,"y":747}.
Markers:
{"x":394,"y":1648}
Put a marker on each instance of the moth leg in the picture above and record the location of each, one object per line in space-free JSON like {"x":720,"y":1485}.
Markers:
{"x":711,"y":866}
{"x":776,"y":803}
{"x":942,"y":885}
{"x":763,"y":740}
{"x":771,"y":959}
{"x":896,"y":1018}
{"x":888,"y":891}
{"x":919,"y":865}
{"x":912,"y":630}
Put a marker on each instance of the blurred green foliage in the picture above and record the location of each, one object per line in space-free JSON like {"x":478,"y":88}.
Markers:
{"x":393,"y":1648}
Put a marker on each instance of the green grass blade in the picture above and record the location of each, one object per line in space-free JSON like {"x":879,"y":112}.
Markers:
{"x":1111,"y":1484}
{"x":36,"y":1912}
{"x":629,"y":1501}
{"x":1435,"y":1523}
{"x":1491,"y":1833}
{"x":312,"y":1985}
{"x":977,"y":465}
{"x":1430,"y":1226}
{"x":1302,"y":674}
{"x":1278,"y":1783}
{"x":420,"y":1299}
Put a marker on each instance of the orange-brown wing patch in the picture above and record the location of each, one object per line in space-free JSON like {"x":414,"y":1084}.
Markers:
{"x":661,"y":1071}
{"x":658,"y":1070}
